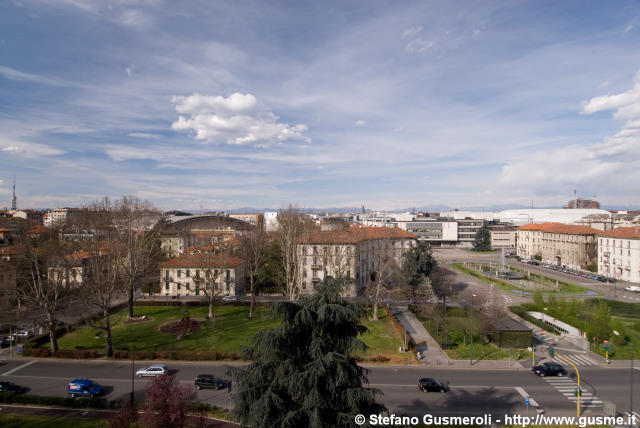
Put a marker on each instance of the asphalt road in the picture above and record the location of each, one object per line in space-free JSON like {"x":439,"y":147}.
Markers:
{"x":472,"y":391}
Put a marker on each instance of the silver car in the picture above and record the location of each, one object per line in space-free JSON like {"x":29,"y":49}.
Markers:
{"x":154,"y":370}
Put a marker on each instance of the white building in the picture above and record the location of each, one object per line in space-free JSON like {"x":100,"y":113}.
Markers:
{"x":58,"y":216}
{"x":619,"y":253}
{"x":439,"y":233}
{"x":271,"y":221}
{"x":521,"y":217}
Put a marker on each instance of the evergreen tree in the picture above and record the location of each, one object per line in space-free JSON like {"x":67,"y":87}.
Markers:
{"x":483,"y":239}
{"x":302,"y":373}
{"x":418,"y":263}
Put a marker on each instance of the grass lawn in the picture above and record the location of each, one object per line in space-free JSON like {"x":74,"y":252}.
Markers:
{"x":29,"y":421}
{"x":383,"y":339}
{"x":632,"y":327}
{"x":227,"y":333}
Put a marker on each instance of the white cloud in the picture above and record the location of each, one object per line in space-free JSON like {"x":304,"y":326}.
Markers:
{"x":620,"y":101}
{"x":361,"y":122}
{"x":419,"y":45}
{"x":236,"y":119}
{"x":129,"y":70}
{"x":629,"y":28}
{"x":26,"y":149}
{"x":13,"y":74}
{"x":143,"y":135}
{"x":412,"y":31}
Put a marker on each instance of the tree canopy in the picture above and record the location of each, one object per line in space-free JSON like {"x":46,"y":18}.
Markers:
{"x":303,"y":372}
{"x":483,"y":239}
{"x":418,"y":263}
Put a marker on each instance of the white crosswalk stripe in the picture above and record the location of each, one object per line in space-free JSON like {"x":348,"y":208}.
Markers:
{"x":567,"y":388}
{"x":578,"y":360}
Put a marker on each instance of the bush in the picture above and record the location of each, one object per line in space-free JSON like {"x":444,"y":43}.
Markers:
{"x":379,"y":359}
{"x":77,"y":354}
{"x":94,"y":403}
{"x":36,"y":352}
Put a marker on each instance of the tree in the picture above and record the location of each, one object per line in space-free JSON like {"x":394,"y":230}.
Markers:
{"x":292,"y":226}
{"x":253,"y":252}
{"x":302,"y":372}
{"x":483,"y":239}
{"x":126,"y":416}
{"x":167,"y":403}
{"x":134,"y":218}
{"x":104,"y":279}
{"x":42,"y":283}
{"x":418,"y":265}
{"x":386,"y":270}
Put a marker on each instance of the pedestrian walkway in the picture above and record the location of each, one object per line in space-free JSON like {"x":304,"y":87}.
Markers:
{"x":577,"y":359}
{"x":428,"y":350}
{"x":567,"y":387}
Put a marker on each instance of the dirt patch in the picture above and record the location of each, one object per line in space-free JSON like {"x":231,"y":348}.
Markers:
{"x":184,"y":326}
{"x":138,"y":319}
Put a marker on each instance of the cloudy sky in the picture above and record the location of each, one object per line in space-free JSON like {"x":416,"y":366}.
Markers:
{"x":226,"y":104}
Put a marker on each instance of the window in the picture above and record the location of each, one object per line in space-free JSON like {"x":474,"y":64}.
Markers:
{"x":178,"y":286}
{"x":304,"y":285}
{"x":228,"y":275}
{"x":197,"y":273}
{"x":228,"y":287}
{"x":179,"y":273}
{"x":166,"y":285}
{"x":197,"y":290}
{"x":166,"y":274}
{"x":188,"y":272}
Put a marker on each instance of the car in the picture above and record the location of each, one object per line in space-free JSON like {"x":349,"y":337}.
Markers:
{"x":428,"y":384}
{"x":549,"y":369}
{"x":84,"y":388}
{"x":22,"y":335}
{"x":5,"y":342}
{"x":634,"y":288}
{"x":11,"y":388}
{"x":230,"y":299}
{"x":207,"y":381}
{"x":154,"y":370}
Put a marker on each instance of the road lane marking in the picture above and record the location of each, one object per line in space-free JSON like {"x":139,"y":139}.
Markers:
{"x":525,"y":395}
{"x":19,"y":368}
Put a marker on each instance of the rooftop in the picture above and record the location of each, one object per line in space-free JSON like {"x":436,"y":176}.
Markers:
{"x":623,"y":232}
{"x":568,"y":229}
{"x":355,"y":234}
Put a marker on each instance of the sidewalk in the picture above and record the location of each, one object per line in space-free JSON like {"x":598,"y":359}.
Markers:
{"x":429,"y":351}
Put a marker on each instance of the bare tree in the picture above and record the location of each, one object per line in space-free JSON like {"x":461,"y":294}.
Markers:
{"x":44,"y":275}
{"x":253,"y":252}
{"x":104,"y":278}
{"x":134,"y":219}
{"x":442,"y":281}
{"x":385,"y":263}
{"x":292,"y":227}
{"x":211,"y":263}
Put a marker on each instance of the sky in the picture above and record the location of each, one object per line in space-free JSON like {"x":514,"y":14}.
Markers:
{"x":227,"y":104}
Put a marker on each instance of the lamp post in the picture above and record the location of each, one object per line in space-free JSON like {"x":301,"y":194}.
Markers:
{"x":471,"y":332}
{"x":630,"y":385}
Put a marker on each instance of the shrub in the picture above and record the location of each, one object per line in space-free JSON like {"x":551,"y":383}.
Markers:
{"x":94,"y":403}
{"x":36,"y":352}
{"x":379,"y":359}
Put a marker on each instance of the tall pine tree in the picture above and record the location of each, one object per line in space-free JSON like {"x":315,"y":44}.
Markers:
{"x":302,"y":373}
{"x":483,"y":239}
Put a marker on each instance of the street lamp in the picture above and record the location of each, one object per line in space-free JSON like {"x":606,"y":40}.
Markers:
{"x":630,"y":384}
{"x":471,"y":333}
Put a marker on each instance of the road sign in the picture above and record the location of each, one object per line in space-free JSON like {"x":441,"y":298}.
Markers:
{"x":606,"y":341}
{"x":607,"y":347}
{"x":526,"y":401}
{"x":551,"y":352}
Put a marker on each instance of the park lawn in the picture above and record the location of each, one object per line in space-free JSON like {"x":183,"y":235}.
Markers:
{"x":383,"y":339}
{"x":632,"y":327}
{"x":31,"y":421}
{"x":229,"y":331}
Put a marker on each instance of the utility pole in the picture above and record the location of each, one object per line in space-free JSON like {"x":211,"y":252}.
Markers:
{"x":471,"y":333}
{"x":14,"y":201}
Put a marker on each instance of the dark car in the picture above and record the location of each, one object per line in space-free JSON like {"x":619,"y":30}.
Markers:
{"x":207,"y":381}
{"x":549,"y":369}
{"x":428,"y":384}
{"x":11,"y":388}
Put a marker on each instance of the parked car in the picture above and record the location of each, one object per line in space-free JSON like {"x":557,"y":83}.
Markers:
{"x":428,"y":384}
{"x":84,"y":388}
{"x":154,"y":370}
{"x":5,"y":342}
{"x":633,"y":288}
{"x":207,"y":381}
{"x":22,"y":334}
{"x":549,"y":369}
{"x":230,"y":299}
{"x":11,"y":388}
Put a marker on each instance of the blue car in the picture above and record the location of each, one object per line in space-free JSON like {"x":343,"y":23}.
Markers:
{"x":84,"y":388}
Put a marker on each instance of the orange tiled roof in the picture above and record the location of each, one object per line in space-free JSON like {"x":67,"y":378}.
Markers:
{"x":202,"y":261}
{"x":11,"y":250}
{"x":622,"y":232}
{"x":569,"y":229}
{"x":354,"y":235}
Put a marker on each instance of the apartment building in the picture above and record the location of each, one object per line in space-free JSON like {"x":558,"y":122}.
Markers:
{"x":619,"y":253}
{"x":439,"y":233}
{"x":561,"y":244}
{"x":58,"y":216}
{"x":467,"y":229}
{"x":198,"y":268}
{"x":355,"y":253}
{"x":503,"y":237}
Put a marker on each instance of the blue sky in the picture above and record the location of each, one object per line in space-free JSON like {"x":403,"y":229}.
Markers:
{"x":228,"y":104}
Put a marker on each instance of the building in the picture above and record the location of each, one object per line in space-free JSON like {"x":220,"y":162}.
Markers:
{"x":183,"y":232}
{"x":271,"y":221}
{"x":353,"y":253}
{"x":59,"y":216}
{"x":187,"y":274}
{"x":560,"y":244}
{"x":256,"y":220}
{"x":467,"y":229}
{"x":503,"y":237}
{"x":619,"y":254}
{"x":439,"y":233}
{"x":581,"y":203}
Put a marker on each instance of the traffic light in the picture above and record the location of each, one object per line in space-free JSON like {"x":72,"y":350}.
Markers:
{"x":551,"y":353}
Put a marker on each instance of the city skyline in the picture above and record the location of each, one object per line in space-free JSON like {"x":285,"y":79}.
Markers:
{"x":324,"y":105}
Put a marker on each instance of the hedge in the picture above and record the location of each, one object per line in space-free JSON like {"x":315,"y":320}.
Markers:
{"x":93,"y":403}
